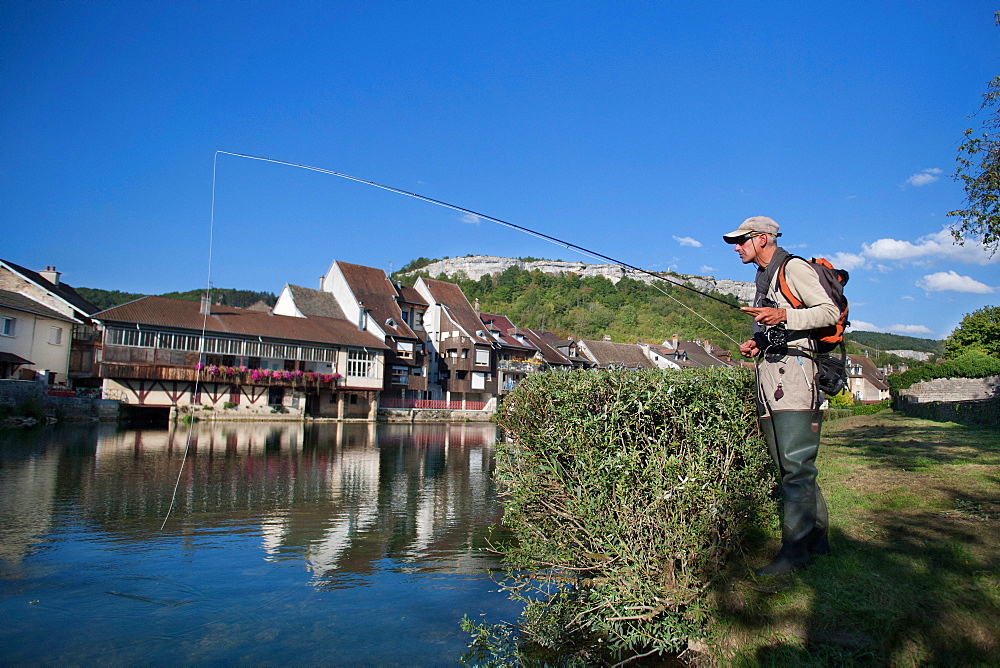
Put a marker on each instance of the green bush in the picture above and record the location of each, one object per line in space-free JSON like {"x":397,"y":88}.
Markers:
{"x":971,"y":364}
{"x":870,"y":409}
{"x":626,"y":491}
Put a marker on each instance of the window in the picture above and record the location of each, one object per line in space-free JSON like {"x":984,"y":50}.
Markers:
{"x":399,"y":374}
{"x":7,"y":326}
{"x":360,"y":364}
{"x":482,"y":356}
{"x":478,"y":380}
{"x":55,"y":336}
{"x":404,"y":349}
{"x":275,"y":396}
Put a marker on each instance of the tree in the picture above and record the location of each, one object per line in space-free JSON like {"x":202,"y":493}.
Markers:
{"x":979,"y":170}
{"x":979,"y":330}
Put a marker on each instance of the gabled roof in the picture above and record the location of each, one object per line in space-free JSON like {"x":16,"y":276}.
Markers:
{"x":505,"y":332}
{"x":550,"y":354}
{"x":409,"y":295}
{"x":458,"y":308}
{"x":227,"y":320}
{"x":608,"y":353}
{"x":374,"y":289}
{"x":63,"y":290}
{"x":316,"y":303}
{"x":869,"y":371}
{"x":19,"y":302}
{"x":702,"y":355}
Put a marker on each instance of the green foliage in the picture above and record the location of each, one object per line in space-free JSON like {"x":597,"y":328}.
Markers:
{"x":626,"y":492}
{"x":105,"y":299}
{"x":226,"y":297}
{"x":870,"y":409}
{"x":971,"y":364}
{"x":842,"y":399}
{"x":979,"y":330}
{"x":979,"y":171}
{"x":589,"y":308}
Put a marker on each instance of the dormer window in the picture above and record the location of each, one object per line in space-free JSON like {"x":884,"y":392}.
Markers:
{"x":389,"y":322}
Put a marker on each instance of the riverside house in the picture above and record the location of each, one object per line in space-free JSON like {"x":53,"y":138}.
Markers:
{"x":176,"y":355}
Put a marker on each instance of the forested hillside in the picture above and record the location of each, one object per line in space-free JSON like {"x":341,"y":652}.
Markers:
{"x":589,"y":308}
{"x":105,"y":299}
{"x":881,"y":341}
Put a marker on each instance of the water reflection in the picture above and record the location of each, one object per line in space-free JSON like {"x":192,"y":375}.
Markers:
{"x":345,"y":504}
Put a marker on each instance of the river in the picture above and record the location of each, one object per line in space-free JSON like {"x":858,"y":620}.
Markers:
{"x":246,"y":543}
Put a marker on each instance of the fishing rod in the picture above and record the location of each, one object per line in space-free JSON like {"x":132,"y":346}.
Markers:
{"x":514,"y":226}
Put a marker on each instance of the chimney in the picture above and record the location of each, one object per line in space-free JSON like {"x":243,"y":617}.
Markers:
{"x":362,"y":317}
{"x":51,"y":275}
{"x":476,"y":305}
{"x":206,"y":305}
{"x":607,"y":337}
{"x":321,"y":279}
{"x":676,"y":341}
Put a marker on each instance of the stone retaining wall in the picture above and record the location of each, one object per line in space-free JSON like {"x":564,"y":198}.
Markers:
{"x":429,"y":415}
{"x":952,"y":389}
{"x":17,"y":392}
{"x":982,"y":412}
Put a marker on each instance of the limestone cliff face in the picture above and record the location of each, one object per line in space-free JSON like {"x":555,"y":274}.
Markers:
{"x":476,"y":266}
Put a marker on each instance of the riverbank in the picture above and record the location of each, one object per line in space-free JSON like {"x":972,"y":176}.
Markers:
{"x":914,"y":577}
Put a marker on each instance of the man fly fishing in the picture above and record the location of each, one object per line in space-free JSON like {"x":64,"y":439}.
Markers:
{"x":788,"y":396}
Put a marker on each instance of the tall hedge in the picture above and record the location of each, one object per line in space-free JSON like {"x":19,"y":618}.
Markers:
{"x":627,"y":491}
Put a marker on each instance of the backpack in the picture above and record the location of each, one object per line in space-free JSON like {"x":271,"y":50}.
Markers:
{"x":833,"y":281}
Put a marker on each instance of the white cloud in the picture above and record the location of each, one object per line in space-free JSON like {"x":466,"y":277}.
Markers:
{"x":940,"y":244}
{"x":950,"y":281}
{"x":909,"y":330}
{"x":924,"y":177}
{"x":848,"y":261}
{"x":705,"y":269}
{"x":470,"y":219}
{"x":687,"y":241}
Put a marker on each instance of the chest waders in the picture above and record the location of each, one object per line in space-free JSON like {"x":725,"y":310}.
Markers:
{"x":793,"y":441}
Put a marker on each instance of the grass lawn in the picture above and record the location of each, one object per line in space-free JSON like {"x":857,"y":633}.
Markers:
{"x":914,"y":577}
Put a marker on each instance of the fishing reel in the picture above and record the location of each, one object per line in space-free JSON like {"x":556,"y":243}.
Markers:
{"x":773,"y":338}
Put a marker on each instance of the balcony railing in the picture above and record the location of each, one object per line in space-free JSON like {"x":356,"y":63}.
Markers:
{"x":229,"y":375}
{"x":389,"y":402}
{"x":525,"y":366}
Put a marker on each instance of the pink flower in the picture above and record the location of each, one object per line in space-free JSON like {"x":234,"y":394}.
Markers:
{"x":199,"y":366}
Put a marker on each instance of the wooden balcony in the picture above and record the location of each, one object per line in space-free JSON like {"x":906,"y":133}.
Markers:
{"x":296,"y":380}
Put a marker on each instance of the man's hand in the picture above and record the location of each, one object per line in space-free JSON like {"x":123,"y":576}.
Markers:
{"x":749,"y":349}
{"x":766,"y":315}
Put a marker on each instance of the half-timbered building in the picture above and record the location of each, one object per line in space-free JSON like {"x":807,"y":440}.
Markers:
{"x":159,"y":352}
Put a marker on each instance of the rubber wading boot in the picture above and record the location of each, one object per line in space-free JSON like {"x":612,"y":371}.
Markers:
{"x":803,"y":509}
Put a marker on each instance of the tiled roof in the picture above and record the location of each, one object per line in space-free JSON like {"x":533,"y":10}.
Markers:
{"x":869,"y":371}
{"x":450,"y":296}
{"x":316,"y":302}
{"x":374,"y":289}
{"x":410,"y":295}
{"x":62,"y":290}
{"x":505,"y":329}
{"x":551,"y":355}
{"x":176,"y":314}
{"x":608,"y":353}
{"x":21,"y":303}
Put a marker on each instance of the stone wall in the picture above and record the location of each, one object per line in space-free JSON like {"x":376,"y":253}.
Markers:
{"x":952,"y":389}
{"x":981,"y":412}
{"x":967,"y":400}
{"x":16,"y":392}
{"x":431,"y":415}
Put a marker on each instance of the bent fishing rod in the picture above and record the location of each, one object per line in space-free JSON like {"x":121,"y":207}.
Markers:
{"x":520,"y":228}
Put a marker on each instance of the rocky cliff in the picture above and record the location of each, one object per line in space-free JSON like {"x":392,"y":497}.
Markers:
{"x":476,"y":266}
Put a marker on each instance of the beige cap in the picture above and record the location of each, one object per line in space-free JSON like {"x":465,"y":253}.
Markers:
{"x":750,"y":226}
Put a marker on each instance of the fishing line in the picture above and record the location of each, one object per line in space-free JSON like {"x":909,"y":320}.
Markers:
{"x":520,"y":228}
{"x":201,"y":344}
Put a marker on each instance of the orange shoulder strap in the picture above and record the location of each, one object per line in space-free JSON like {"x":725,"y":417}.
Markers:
{"x":783,"y":285}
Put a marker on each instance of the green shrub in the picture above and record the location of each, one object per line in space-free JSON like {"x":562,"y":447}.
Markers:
{"x":870,"y":409}
{"x":626,"y":491}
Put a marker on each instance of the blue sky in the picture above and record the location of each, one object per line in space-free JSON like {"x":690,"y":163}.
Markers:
{"x":641,"y":130}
